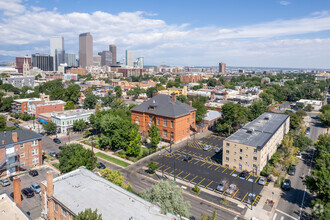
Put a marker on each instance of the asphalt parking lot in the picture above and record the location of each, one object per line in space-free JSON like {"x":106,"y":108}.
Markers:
{"x":32,"y":205}
{"x":205,"y":169}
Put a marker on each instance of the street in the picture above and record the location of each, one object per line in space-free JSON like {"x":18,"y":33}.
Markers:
{"x":295,"y":204}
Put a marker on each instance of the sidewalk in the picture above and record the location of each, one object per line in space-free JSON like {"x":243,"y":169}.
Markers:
{"x":268,"y":192}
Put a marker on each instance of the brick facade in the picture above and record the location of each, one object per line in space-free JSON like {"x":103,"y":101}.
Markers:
{"x":49,"y":108}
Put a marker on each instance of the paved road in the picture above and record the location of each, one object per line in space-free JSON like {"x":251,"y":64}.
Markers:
{"x":295,"y":204}
{"x":48,"y":144}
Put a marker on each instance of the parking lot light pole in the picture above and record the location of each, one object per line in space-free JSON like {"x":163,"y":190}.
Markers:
{"x":174,"y":168}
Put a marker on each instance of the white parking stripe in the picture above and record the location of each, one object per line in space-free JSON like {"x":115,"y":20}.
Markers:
{"x":286,"y":214}
{"x":274,"y":218}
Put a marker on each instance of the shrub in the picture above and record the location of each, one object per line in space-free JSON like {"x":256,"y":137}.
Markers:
{"x":145,"y":152}
{"x":224,"y":202}
{"x":152,"y":165}
{"x":196,"y":189}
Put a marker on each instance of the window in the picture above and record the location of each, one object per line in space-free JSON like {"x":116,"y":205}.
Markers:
{"x":227,"y":151}
{"x":56,"y":207}
{"x":63,"y":122}
{"x":255,"y":158}
{"x":255,"y":166}
{"x":35,"y":151}
{"x":227,"y":158}
{"x":246,"y":156}
{"x":158,"y":121}
{"x":35,"y":143}
{"x":150,"y":119}
{"x":240,"y":150}
{"x":172,"y":135}
{"x":255,"y":150}
{"x":35,"y":160}
{"x":240,"y":158}
{"x":63,"y":212}
{"x":22,"y":155}
{"x":165,"y":122}
{"x":22,"y":146}
{"x":172,"y":124}
{"x":165,"y":133}
{"x":227,"y":144}
{"x":22,"y":163}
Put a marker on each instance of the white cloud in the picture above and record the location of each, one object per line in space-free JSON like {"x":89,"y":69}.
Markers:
{"x":285,"y":3}
{"x":28,"y":30}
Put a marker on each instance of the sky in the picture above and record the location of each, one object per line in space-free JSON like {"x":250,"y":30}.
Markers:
{"x":250,"y":33}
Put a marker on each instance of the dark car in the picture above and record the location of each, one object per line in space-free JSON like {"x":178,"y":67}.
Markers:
{"x":187,"y":158}
{"x":57,"y":141}
{"x":308,"y":130}
{"x":101,"y":166}
{"x":53,"y":154}
{"x":243,"y":175}
{"x":28,"y":192}
{"x":12,"y":196}
{"x":33,"y":173}
{"x":16,"y":125}
{"x":292,"y":170}
{"x":286,"y":185}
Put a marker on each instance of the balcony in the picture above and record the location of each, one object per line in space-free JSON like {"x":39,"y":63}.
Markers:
{"x":14,"y":154}
{"x":14,"y":164}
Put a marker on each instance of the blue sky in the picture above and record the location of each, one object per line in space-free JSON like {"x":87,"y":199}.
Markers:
{"x":271,"y":33}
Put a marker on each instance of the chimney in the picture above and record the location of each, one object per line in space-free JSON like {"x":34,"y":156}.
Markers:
{"x":17,"y":190}
{"x":14,"y":136}
{"x":154,"y":93}
{"x":173,"y":97}
{"x":50,"y":186}
{"x":190,"y":103}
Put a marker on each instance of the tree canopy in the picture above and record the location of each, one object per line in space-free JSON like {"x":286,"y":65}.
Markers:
{"x":49,"y":127}
{"x":154,"y":135}
{"x":169,"y":196}
{"x":200,"y":110}
{"x":69,"y":105}
{"x":90,"y":101}
{"x":88,"y":214}
{"x":115,"y":177}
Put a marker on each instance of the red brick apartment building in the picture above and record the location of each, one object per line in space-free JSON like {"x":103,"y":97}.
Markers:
{"x":191,"y":78}
{"x":173,"y":118}
{"x":19,"y":149}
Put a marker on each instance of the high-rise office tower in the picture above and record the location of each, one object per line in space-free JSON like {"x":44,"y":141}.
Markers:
{"x":44,"y":62}
{"x":85,"y":49}
{"x":129,"y":58}
{"x":57,"y":51}
{"x":113,"y":50}
{"x":71,"y":59}
{"x":140,"y":62}
{"x":222,"y":67}
{"x":106,"y":58}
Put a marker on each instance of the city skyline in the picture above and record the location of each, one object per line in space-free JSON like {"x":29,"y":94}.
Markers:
{"x":287,"y":34}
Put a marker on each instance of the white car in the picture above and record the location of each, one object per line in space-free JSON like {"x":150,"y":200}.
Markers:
{"x":262,"y":180}
{"x":207,"y":147}
{"x":298,"y":155}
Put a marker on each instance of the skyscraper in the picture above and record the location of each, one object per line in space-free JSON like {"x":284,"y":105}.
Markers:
{"x":222,"y":67}
{"x":106,"y":58}
{"x":129,"y":58}
{"x":85,"y":49}
{"x":71,"y":60}
{"x":140,"y":62}
{"x":43,"y":61}
{"x":57,"y":51}
{"x":113,"y":50}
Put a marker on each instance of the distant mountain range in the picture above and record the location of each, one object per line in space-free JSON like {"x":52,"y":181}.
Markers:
{"x":6,"y":59}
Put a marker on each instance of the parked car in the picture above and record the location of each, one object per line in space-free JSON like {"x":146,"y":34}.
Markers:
{"x":187,"y":158}
{"x":308,"y":130}
{"x":33,"y":173}
{"x":292,"y":170}
{"x":243,"y":174}
{"x":207,"y":147}
{"x":35,"y":187}
{"x":231,"y":189}
{"x":28,"y":192}
{"x":299,"y":155}
{"x":222,"y":186}
{"x":101,"y":166}
{"x":53,"y":154}
{"x":262,"y":180}
{"x":12,"y":196}
{"x":217,"y":150}
{"x":16,"y":125}
{"x":286,"y":185}
{"x":4,"y":182}
{"x":57,"y":141}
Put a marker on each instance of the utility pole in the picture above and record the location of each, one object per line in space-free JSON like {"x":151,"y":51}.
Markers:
{"x":174,"y":168}
{"x":93,"y":154}
{"x":252,"y":191}
{"x":163,"y":166}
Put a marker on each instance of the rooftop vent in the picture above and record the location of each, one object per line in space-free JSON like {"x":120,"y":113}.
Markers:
{"x":250,"y":131}
{"x":268,"y":117}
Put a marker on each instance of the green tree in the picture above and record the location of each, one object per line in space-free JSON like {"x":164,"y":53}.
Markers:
{"x":79,"y":125}
{"x":88,"y":214}
{"x":50,"y":127}
{"x":152,"y":166}
{"x":214,"y":215}
{"x":107,"y":100}
{"x":301,"y":113}
{"x":5,"y":103}
{"x":309,"y":107}
{"x":290,"y":151}
{"x":169,"y":196}
{"x":134,"y":147}
{"x":3,"y":122}
{"x":318,"y":181}
{"x":257,"y":108}
{"x":182,"y":98}
{"x":295,"y":120}
{"x":235,"y":115}
{"x":73,"y":156}
{"x":204,"y":217}
{"x":114,"y":177}
{"x":72,"y":93}
{"x":200,"y":110}
{"x":90,"y":101}
{"x":118,"y":91}
{"x":150,"y":91}
{"x":69,"y":105}
{"x":154,"y":135}
{"x":325,"y":108}
{"x":302,"y":141}
{"x":325,"y":118}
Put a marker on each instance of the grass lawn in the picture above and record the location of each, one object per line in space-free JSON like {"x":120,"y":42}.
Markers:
{"x":112,"y":159}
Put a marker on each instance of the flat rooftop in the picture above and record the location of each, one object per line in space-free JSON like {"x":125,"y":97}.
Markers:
{"x":82,"y":189}
{"x":259,"y":131}
{"x":9,"y":210}
{"x":71,"y":113}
